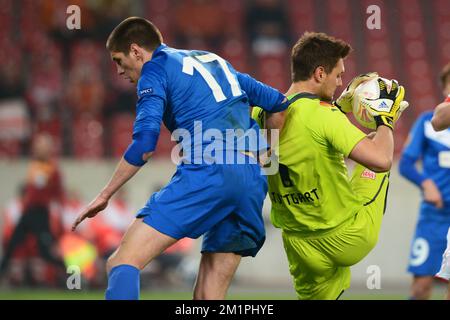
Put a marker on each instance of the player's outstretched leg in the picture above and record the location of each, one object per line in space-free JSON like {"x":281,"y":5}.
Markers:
{"x":362,"y":236}
{"x":215,"y":274}
{"x":373,"y":189}
{"x":140,"y":244}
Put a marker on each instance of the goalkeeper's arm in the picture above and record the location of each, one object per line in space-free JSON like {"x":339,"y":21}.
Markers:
{"x":274,"y":121}
{"x":377,"y":152}
{"x":269,"y":121}
{"x":441,"y":116}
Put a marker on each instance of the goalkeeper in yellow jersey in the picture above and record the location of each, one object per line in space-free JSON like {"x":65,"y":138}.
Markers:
{"x":329,"y":221}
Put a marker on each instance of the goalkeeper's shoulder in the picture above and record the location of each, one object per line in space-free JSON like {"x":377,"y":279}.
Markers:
{"x":329,"y":119}
{"x":316,"y":115}
{"x":328,"y":106}
{"x":312,"y":112}
{"x":328,"y":111}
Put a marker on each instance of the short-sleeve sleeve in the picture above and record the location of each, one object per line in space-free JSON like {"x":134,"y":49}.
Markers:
{"x":339,"y":131}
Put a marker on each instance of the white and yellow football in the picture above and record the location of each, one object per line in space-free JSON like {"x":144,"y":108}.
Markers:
{"x":369,"y":90}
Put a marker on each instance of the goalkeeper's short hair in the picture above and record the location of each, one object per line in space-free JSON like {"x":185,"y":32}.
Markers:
{"x":315,"y":49}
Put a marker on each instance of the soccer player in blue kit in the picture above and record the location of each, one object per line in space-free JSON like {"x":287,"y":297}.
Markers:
{"x":194,"y":91}
{"x":441,"y":121}
{"x":433,"y":148}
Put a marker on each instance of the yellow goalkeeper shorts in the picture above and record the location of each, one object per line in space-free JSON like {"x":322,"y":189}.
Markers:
{"x":320,"y":266}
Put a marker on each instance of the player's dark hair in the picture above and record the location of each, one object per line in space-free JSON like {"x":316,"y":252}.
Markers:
{"x":134,"y":30}
{"x":313,"y":50}
{"x":445,"y":75}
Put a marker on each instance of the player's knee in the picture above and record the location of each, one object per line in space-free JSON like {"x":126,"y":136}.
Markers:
{"x":373,"y":242}
{"x":117,"y":259}
{"x":366,"y":246}
{"x":421,"y":289}
{"x":222,"y":269}
{"x":421,"y":293}
{"x":110,"y":263}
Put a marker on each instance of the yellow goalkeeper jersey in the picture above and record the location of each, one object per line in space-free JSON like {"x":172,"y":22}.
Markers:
{"x":312,"y":193}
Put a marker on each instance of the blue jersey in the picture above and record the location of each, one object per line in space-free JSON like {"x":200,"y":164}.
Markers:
{"x":194,"y":91}
{"x":433,"y":148}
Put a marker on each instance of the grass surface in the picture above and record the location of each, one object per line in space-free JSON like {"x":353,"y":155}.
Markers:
{"x":167,"y":295}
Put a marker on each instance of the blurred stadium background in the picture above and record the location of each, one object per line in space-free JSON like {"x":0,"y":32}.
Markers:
{"x":62,"y":82}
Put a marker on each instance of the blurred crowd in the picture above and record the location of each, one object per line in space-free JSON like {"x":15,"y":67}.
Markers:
{"x":87,"y":249}
{"x":63,"y":82}
{"x":38,"y":245}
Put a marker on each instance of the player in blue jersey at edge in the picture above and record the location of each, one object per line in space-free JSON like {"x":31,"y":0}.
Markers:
{"x":440,"y":122}
{"x":223,"y":202}
{"x":433,"y":149}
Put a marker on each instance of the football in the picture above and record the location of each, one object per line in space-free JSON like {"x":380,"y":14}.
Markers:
{"x":371,"y":90}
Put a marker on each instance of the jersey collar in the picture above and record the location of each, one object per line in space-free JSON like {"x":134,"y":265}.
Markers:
{"x":301,"y":95}
{"x":156,"y":52}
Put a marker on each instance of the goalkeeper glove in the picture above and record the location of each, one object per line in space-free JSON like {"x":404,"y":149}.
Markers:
{"x":389,"y":106}
{"x":344,"y":102}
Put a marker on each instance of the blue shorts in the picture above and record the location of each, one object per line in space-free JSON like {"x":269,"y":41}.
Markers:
{"x":223,"y":202}
{"x":430,"y":241}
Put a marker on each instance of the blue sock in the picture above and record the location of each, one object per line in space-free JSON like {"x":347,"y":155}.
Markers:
{"x":123,"y":283}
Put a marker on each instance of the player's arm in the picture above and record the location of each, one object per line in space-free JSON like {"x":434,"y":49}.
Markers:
{"x":408,"y":169}
{"x":431,"y":192}
{"x":269,"y":121}
{"x":441,"y":116}
{"x":149,"y":109}
{"x":375,"y":153}
{"x":122,"y":174}
{"x":412,"y":152}
{"x":262,"y":95}
{"x":136,"y":155}
{"x":275,"y":120}
{"x":270,"y":100}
